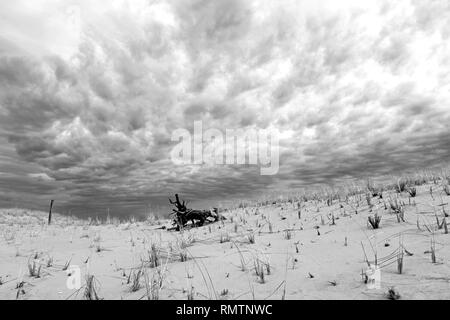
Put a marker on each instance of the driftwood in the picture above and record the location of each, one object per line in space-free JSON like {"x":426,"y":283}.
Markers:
{"x":182,"y":215}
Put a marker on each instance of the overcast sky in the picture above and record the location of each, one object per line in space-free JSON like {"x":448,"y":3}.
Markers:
{"x":91,"y":91}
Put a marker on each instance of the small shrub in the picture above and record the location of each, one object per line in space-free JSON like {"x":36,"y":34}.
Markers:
{"x":395,"y":205}
{"x":50,"y":262}
{"x":288,"y":234}
{"x":333,"y":220}
{"x":392,"y":294}
{"x":375,"y":221}
{"x":398,"y":209}
{"x":191,"y":294}
{"x":224,"y":237}
{"x":259,"y":270}
{"x":412,"y":192}
{"x":224,"y":293}
{"x":447,"y":189}
{"x":34,"y":269}
{"x":136,"y":280}
{"x":401,"y":186}
{"x":183,"y":256}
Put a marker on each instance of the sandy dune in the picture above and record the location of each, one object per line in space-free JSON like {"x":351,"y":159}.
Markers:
{"x":316,"y":259}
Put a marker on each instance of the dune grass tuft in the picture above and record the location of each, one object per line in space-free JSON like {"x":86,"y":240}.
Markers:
{"x":374,"y":221}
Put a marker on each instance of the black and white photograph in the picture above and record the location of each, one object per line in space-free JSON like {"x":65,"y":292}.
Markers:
{"x":224,"y":150}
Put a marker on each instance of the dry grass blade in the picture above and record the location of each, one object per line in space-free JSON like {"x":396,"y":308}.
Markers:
{"x":136,"y":280}
{"x":91,"y":288}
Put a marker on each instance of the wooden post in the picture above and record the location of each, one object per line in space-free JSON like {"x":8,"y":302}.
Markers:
{"x":50,"y":212}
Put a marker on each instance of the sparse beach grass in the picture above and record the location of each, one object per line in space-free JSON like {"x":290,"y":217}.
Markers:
{"x":296,"y":233}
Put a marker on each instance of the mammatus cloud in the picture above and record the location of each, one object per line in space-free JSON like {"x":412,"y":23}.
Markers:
{"x":91,"y":93}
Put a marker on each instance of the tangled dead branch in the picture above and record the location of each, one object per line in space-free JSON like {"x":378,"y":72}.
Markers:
{"x":182,"y":215}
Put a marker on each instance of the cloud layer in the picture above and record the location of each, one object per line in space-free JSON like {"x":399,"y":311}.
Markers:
{"x":91,"y":93}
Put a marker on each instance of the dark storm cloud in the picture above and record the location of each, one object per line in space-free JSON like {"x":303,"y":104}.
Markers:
{"x":91,"y":93}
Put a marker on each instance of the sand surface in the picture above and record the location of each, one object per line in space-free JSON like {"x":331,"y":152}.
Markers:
{"x":316,"y":259}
